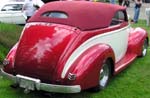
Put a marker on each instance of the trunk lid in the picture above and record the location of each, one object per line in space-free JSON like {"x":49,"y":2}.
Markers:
{"x":39,"y":50}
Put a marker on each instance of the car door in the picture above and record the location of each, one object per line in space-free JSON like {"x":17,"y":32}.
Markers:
{"x":120,"y":35}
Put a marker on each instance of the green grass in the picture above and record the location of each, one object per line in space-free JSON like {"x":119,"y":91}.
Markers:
{"x":9,"y":35}
{"x":133,"y":82}
{"x":3,"y":52}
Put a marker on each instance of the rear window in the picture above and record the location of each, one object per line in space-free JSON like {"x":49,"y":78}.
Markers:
{"x":55,"y":14}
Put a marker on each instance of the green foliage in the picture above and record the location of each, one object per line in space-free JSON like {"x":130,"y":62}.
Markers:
{"x":134,"y":82}
{"x":9,"y":35}
{"x":3,"y":52}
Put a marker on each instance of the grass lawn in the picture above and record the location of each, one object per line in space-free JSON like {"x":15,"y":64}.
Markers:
{"x":9,"y":34}
{"x":134,"y":82}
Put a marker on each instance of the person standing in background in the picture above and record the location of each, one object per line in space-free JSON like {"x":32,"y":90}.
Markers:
{"x":138,"y":4}
{"x":28,"y":9}
{"x":38,"y":3}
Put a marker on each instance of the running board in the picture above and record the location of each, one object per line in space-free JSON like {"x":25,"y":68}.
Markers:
{"x":123,"y":63}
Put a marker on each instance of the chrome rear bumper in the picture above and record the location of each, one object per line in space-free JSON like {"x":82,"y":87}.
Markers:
{"x":32,"y":84}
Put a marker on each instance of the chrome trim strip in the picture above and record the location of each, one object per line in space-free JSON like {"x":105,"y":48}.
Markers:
{"x":44,"y":86}
{"x":60,"y":88}
{"x":9,"y":76}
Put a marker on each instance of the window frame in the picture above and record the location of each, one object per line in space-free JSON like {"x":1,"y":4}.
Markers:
{"x":119,"y":17}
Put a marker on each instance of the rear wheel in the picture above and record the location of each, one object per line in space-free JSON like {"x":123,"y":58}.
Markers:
{"x":104,"y":77}
{"x":105,"y":74}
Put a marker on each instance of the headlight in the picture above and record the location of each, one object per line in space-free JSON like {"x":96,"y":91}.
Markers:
{"x":5,"y":62}
{"x":71,"y":76}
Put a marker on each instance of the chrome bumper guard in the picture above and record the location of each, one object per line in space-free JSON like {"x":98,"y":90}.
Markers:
{"x":35,"y":84}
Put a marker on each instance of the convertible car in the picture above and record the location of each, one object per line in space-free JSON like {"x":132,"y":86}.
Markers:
{"x":70,"y":46}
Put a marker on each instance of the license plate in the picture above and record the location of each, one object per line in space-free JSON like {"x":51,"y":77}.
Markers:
{"x":27,"y":82}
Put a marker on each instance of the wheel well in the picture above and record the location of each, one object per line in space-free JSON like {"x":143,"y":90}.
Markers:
{"x":112,"y":65}
{"x":147,"y":40}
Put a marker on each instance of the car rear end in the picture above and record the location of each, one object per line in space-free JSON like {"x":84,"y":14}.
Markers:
{"x":34,"y":62}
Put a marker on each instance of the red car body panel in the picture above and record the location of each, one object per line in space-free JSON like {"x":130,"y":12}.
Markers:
{"x":38,"y":56}
{"x":90,"y":61}
{"x":136,"y":40}
{"x":47,"y":45}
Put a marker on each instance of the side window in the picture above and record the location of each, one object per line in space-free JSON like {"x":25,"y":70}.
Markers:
{"x":12,"y":7}
{"x":118,"y":18}
{"x":55,"y":14}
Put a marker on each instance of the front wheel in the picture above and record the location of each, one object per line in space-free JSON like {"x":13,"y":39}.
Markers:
{"x":144,"y":48}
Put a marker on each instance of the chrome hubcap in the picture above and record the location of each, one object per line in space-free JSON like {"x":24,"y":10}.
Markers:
{"x":104,"y":75}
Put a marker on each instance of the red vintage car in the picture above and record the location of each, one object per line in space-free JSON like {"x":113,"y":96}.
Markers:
{"x":70,"y":46}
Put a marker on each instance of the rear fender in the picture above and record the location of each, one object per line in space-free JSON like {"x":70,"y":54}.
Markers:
{"x":88,"y":64}
{"x":11,"y":58}
{"x":136,"y":40}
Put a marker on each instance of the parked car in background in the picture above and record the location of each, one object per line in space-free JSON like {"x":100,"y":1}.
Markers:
{"x":68,"y":47}
{"x":11,"y":12}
